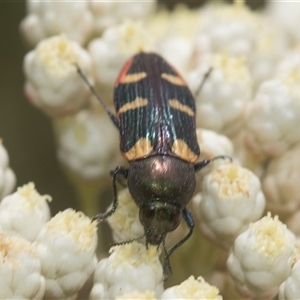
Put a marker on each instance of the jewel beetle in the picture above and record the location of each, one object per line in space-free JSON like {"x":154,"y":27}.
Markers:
{"x":155,"y":115}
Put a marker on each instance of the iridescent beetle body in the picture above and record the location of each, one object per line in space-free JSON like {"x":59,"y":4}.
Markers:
{"x":155,"y":115}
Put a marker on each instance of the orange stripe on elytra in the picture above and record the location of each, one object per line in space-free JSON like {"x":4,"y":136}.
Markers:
{"x":136,"y":103}
{"x":174,"y":103}
{"x":130,"y":78}
{"x":181,"y":149}
{"x":174,"y":79}
{"x":140,"y":149}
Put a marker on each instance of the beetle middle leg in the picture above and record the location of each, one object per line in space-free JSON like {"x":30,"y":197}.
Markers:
{"x":118,"y":171}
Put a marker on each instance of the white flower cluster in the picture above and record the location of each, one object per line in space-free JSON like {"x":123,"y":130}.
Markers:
{"x":7,"y":175}
{"x":248,"y":108}
{"x":43,"y":257}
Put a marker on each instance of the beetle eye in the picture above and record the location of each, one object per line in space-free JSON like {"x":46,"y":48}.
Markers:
{"x":147,"y":214}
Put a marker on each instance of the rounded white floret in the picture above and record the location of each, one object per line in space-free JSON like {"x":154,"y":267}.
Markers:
{"x":25,"y":212}
{"x":175,"y":34}
{"x":260,"y":259}
{"x":130,"y":267}
{"x":286,"y":14}
{"x":213,"y":144}
{"x":20,"y":269}
{"x":88,"y":144}
{"x":231,"y":198}
{"x":290,"y":289}
{"x":48,"y":18}
{"x":281,"y":183}
{"x":192,"y":289}
{"x":229,"y":28}
{"x":7,"y":176}
{"x":52,"y":82}
{"x":272,"y":117}
{"x":125,"y":222}
{"x":223,"y":98}
{"x":271,"y":44}
{"x":66,"y":246}
{"x":110,"y":13}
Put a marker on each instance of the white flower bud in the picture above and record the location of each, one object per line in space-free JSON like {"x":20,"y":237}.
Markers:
{"x":178,"y":51}
{"x":180,"y":22}
{"x":281,"y":183}
{"x":271,"y":44}
{"x":288,"y":68}
{"x":260,"y":259}
{"x":229,"y":28}
{"x":130,"y":267}
{"x":231,"y":198}
{"x":7,"y":176}
{"x":290,"y":289}
{"x":224,"y":95}
{"x":88,"y":144}
{"x":125,"y":222}
{"x":192,"y":289}
{"x":110,"y":13}
{"x":110,"y":52}
{"x":24,"y":212}
{"x":53,"y":84}
{"x":272,"y":117}
{"x":286,"y":15}
{"x":66,"y":246}
{"x":48,"y":18}
{"x":20,"y":269}
{"x":213,"y":144}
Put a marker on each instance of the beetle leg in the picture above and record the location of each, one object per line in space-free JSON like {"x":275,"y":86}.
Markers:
{"x":222,"y":157}
{"x":118,"y":170}
{"x":200,"y":165}
{"x":188,"y":219}
{"x":122,"y":180}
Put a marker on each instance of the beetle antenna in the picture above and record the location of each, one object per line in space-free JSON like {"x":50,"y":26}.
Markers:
{"x":127,"y":241}
{"x":206,"y":75}
{"x":94,"y":92}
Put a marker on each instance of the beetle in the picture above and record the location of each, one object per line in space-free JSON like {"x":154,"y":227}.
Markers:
{"x":155,"y":115}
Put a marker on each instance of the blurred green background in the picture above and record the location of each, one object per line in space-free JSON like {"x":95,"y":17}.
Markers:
{"x":25,"y":131}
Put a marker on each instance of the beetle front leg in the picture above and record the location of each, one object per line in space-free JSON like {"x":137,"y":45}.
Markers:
{"x":200,"y":165}
{"x":189,"y":220}
{"x":118,"y":170}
